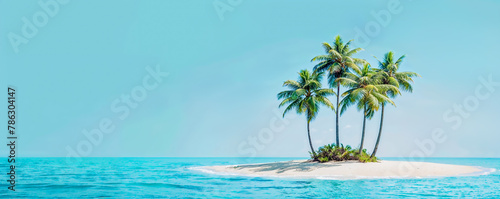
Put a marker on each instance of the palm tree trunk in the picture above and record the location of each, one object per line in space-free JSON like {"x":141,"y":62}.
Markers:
{"x":363,"y":131}
{"x":337,"y":116}
{"x":379,"y":132}
{"x":309,"y":136}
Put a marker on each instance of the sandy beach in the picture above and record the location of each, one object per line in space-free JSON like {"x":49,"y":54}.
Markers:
{"x":346,"y":170}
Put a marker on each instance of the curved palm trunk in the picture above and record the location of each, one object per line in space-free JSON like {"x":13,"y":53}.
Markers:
{"x":337,"y":116}
{"x":309,"y":136}
{"x":379,"y":132}
{"x":363,"y":131}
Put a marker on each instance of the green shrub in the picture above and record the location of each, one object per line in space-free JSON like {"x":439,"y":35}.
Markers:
{"x":331,"y":152}
{"x":323,"y":159}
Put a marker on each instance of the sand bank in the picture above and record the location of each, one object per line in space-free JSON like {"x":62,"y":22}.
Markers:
{"x":347,"y":170}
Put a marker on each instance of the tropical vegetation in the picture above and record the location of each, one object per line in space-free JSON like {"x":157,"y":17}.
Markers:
{"x":338,"y":62}
{"x":388,"y":71}
{"x":368,"y":89}
{"x":306,"y":96}
{"x":366,"y":92}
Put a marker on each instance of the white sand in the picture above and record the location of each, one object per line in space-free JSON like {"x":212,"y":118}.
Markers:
{"x":347,"y":170}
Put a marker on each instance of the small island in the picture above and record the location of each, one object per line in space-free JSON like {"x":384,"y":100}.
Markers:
{"x":347,"y":170}
{"x":368,"y":89}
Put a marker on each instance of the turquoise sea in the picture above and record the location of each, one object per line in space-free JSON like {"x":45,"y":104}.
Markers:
{"x":176,"y":178}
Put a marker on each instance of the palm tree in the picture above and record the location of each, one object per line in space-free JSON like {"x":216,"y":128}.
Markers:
{"x":305,"y":96}
{"x":388,"y":73}
{"x":338,"y":61}
{"x":365,"y":91}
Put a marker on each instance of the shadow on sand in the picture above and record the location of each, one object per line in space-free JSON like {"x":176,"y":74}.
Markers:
{"x":280,"y":167}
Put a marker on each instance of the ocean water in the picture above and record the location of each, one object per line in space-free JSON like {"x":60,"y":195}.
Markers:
{"x":176,"y":178}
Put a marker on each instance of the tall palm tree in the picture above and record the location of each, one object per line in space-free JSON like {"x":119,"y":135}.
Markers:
{"x":305,"y":96}
{"x":388,"y":73}
{"x":366,"y":91}
{"x":338,"y":61}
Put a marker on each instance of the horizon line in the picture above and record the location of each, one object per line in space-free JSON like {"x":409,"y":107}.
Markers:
{"x":221,"y":157}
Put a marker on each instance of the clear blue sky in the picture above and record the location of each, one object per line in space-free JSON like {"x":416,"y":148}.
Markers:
{"x":224,"y":74}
